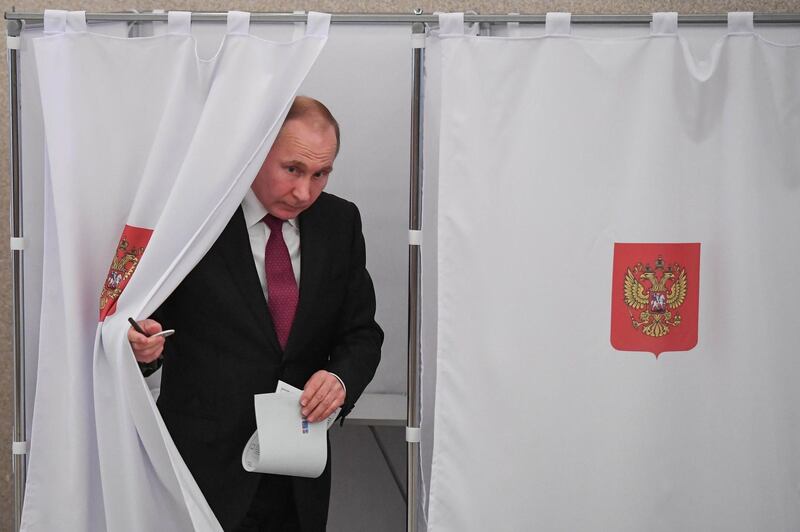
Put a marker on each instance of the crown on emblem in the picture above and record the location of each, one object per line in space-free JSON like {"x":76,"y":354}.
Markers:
{"x":659,"y":265}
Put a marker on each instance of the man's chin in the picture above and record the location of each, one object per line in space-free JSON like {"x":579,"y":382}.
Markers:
{"x":287,"y":213}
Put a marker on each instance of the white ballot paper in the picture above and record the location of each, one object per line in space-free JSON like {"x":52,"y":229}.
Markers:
{"x":284,"y":443}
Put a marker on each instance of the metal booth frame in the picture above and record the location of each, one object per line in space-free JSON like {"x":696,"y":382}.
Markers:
{"x":418,"y":23}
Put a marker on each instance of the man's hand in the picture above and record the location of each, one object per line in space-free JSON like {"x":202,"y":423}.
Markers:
{"x":146,"y":349}
{"x":322,"y":394}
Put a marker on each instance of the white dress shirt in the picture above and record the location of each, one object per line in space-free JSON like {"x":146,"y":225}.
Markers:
{"x":258,"y":231}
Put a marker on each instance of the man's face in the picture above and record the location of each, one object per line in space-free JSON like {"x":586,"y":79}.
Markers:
{"x":296,"y":169}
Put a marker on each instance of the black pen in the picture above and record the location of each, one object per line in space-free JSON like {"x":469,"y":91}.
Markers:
{"x":137,"y":328}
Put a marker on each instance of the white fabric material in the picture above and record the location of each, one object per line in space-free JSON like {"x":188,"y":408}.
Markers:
{"x":238,"y":22}
{"x":558,"y":24}
{"x":76,"y":21}
{"x":179,"y":22}
{"x":317,"y":24}
{"x":140,"y":133}
{"x":664,"y":23}
{"x":451,"y":23}
{"x":55,"y":21}
{"x":430,"y":183}
{"x":429,"y":298}
{"x":565,"y":147}
{"x":740,"y":22}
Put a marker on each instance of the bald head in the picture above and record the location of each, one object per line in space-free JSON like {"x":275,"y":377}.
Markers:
{"x":313,"y":113}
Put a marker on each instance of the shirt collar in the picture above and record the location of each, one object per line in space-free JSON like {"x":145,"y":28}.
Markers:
{"x":254,"y":211}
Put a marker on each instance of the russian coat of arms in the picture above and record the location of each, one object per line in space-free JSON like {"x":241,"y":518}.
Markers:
{"x":129,"y":252}
{"x":654,"y":295}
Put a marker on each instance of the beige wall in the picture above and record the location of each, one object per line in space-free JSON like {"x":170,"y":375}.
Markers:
{"x":332,"y":6}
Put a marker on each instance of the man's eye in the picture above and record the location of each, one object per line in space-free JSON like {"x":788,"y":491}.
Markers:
{"x":320,"y":175}
{"x":291,"y":169}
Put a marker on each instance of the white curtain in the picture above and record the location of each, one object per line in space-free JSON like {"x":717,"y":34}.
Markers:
{"x":551,"y":150}
{"x":148,"y":146}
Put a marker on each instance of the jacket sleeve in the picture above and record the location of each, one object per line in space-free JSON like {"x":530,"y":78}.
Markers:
{"x":357,"y":350}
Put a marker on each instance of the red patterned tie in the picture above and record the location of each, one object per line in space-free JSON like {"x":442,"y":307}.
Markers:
{"x":281,"y":284}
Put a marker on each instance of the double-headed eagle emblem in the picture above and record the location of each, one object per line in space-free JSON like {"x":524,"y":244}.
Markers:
{"x":653,"y":296}
{"x":122,"y":267}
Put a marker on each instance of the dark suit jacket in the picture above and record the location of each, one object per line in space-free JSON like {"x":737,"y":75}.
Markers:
{"x":225,"y":351}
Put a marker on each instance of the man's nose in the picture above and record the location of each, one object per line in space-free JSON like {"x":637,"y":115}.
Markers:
{"x":302,"y":190}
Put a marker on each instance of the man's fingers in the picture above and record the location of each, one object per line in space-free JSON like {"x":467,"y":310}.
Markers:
{"x":134,"y":336}
{"x":311,"y":387}
{"x":143,"y":343}
{"x":318,"y":397}
{"x":150,"y":326}
{"x":326,"y":407}
{"x":148,"y":353}
{"x":321,"y":396}
{"x":320,"y":413}
{"x":146,"y":348}
{"x":328,"y":397}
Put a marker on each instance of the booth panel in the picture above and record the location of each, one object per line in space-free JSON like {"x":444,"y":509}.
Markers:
{"x":364,"y":77}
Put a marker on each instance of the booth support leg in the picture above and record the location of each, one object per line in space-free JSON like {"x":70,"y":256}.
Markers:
{"x":414,"y":285}
{"x":19,"y":444}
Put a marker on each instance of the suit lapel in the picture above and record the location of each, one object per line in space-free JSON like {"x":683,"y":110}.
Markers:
{"x":314,"y":256}
{"x":234,"y":247}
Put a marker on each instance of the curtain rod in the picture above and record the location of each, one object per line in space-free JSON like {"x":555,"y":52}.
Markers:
{"x":391,"y":18}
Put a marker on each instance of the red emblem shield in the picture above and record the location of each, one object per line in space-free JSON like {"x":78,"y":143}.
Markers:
{"x":655,"y":297}
{"x":131,"y":247}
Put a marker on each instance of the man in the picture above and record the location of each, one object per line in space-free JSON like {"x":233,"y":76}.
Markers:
{"x":282,"y":294}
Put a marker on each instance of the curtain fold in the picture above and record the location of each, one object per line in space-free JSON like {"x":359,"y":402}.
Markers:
{"x":551,"y":151}
{"x":150,"y":150}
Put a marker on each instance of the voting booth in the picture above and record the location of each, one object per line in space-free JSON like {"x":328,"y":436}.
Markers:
{"x":501,"y":165}
{"x":372,"y":439}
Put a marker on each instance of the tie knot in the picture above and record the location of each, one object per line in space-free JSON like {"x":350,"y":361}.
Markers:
{"x":274,"y":224}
